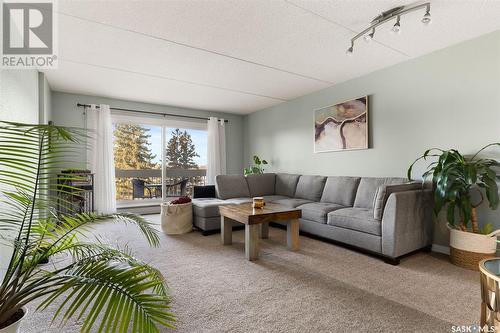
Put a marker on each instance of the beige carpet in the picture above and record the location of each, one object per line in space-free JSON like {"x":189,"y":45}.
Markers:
{"x":321,"y":288}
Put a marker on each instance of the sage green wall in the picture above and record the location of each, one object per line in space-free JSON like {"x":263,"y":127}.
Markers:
{"x":448,"y":99}
{"x":44,"y":99}
{"x":19,"y":102}
{"x":66,"y":113}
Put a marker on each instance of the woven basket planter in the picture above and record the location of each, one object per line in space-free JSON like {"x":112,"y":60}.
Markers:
{"x":176,"y":219}
{"x":467,"y":249}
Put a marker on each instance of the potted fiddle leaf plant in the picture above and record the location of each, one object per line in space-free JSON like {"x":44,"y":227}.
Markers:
{"x":257,"y":168}
{"x":455,"y":178}
{"x":104,"y":286}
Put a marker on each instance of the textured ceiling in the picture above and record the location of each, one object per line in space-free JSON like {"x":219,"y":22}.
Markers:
{"x":241,"y":56}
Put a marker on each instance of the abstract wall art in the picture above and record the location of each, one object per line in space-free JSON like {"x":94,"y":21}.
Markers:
{"x":343,"y":126}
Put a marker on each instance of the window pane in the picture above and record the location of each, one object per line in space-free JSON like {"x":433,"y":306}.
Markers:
{"x":137,"y":150}
{"x":186,"y":159}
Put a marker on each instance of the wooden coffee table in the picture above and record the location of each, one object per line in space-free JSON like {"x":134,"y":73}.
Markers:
{"x":256,"y":223}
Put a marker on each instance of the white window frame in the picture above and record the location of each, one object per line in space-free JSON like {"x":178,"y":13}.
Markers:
{"x":164,"y":122}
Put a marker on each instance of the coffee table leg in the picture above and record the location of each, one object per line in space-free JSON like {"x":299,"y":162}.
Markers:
{"x":252,"y":241}
{"x":226,"y":231}
{"x":264,"y":230}
{"x":292,"y":235}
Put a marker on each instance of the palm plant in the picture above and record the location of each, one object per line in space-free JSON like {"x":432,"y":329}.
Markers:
{"x":104,"y":286}
{"x":454,"y":177}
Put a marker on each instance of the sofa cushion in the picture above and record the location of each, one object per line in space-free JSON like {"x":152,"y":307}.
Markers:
{"x":359,"y":219}
{"x":261,"y":184}
{"x":207,"y":207}
{"x":286,"y":184}
{"x":383,"y":193}
{"x":368,"y":187}
{"x":231,"y":186}
{"x":310,"y":187}
{"x":292,"y":202}
{"x":271,"y":198}
{"x":237,"y":201}
{"x":317,"y":211}
{"x":340,"y":190}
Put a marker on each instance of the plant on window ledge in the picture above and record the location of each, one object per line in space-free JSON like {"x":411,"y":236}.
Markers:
{"x":102,"y":285}
{"x":257,"y":168}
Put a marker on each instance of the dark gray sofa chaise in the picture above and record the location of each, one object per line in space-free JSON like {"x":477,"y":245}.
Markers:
{"x":386,"y":216}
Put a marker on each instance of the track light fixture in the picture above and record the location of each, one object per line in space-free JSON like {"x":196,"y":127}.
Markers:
{"x":388,"y":15}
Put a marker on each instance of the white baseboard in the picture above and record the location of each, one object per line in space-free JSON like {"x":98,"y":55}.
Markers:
{"x":441,"y":249}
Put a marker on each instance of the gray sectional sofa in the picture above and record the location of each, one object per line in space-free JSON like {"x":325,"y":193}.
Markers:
{"x":386,"y":216}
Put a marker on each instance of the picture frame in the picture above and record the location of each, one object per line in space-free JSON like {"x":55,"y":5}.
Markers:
{"x":342,"y":126}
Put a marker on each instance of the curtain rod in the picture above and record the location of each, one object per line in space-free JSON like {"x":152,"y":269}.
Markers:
{"x":149,"y":112}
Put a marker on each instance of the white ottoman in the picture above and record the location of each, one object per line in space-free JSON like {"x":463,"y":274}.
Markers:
{"x":176,"y":219}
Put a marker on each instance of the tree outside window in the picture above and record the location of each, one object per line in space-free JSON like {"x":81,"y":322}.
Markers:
{"x":181,"y":151}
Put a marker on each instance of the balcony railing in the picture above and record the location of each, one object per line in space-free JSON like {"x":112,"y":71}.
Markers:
{"x":129,"y":182}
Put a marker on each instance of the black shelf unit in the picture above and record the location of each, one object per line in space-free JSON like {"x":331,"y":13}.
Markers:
{"x":76,"y":192}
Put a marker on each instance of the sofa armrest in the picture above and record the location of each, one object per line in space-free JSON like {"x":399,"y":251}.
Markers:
{"x":207,"y":191}
{"x":383,"y":193}
{"x":407,"y":223}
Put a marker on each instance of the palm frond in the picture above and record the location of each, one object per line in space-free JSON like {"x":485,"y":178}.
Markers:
{"x":115,"y":281}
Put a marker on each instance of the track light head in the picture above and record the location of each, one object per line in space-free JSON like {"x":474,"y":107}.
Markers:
{"x":397,"y":26}
{"x":350,"y":50}
{"x":427,"y":18}
{"x":368,"y":38}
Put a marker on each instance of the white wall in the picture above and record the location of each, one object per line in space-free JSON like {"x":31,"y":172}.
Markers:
{"x":448,"y":99}
{"x":19,"y":96}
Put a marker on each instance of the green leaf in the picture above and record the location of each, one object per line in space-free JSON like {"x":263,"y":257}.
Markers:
{"x":487,"y":229}
{"x":491,"y":192}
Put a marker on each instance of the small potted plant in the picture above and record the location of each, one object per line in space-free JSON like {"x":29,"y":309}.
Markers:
{"x":257,"y":168}
{"x":455,"y":178}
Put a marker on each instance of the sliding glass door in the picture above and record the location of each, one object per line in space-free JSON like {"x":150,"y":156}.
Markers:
{"x":137,"y":151}
{"x":157,"y":159}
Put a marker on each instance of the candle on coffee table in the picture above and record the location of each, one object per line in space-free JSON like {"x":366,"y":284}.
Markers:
{"x":258,"y":202}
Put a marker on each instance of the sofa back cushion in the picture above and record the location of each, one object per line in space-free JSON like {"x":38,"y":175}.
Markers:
{"x":340,"y":190}
{"x":231,"y":186}
{"x":261,"y":184}
{"x":286,"y":184}
{"x":383,"y":193}
{"x":367,"y":189}
{"x":310,"y":187}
